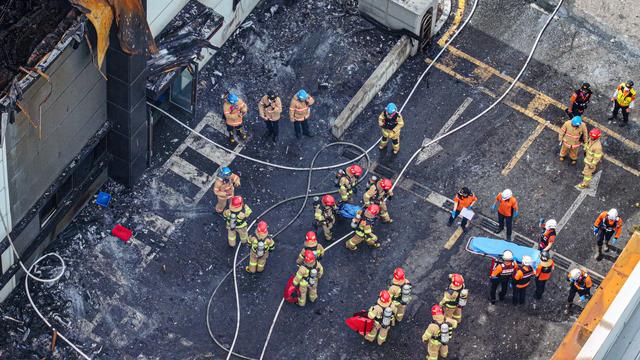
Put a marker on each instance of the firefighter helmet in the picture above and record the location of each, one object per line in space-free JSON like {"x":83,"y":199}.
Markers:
{"x":507,"y":255}
{"x":373,"y":209}
{"x":464,"y":191}
{"x":391,"y":108}
{"x":551,"y":224}
{"x":629,"y":83}
{"x":385,"y":297}
{"x":586,"y":86}
{"x":398,"y":274}
{"x":328,"y":200}
{"x":612,"y":214}
{"x":575,"y":274}
{"x":436,"y":310}
{"x":237,"y":201}
{"x":456,"y":280}
{"x":224,"y":172}
{"x":232,"y":98}
{"x":311,"y":237}
{"x":385,"y":184}
{"x":506,"y":194}
{"x":576,"y":121}
{"x":595,"y":133}
{"x":309,"y":256}
{"x":262,"y":227}
{"x":545,"y":255}
{"x":355,"y":170}
{"x":526,"y":260}
{"x":302,"y":95}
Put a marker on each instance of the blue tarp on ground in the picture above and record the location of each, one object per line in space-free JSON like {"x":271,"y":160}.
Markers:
{"x":348,"y":211}
{"x":495,"y":247}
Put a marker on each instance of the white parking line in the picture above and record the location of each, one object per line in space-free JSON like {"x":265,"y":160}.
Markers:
{"x":159,"y":225}
{"x":188,"y":171}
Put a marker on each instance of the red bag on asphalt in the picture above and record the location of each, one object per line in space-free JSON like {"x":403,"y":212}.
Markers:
{"x":121,"y":232}
{"x":291,"y":292}
{"x":360,"y":322}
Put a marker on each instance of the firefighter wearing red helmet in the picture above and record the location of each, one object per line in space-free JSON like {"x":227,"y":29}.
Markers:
{"x":325,"y":215}
{"x":383,"y":315}
{"x":311,"y":243}
{"x":400,"y":291}
{"x":261,"y":245}
{"x":592,"y":156}
{"x":378,"y":193}
{"x":347,"y":180}
{"x":236,"y":216}
{"x":307,"y":277}
{"x":362,"y":224}
{"x":438,"y":334}
{"x":455,"y":298}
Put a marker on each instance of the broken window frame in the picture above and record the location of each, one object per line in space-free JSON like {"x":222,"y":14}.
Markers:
{"x":193,"y":70}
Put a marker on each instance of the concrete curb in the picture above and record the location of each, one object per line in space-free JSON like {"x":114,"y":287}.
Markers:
{"x":389,"y":65}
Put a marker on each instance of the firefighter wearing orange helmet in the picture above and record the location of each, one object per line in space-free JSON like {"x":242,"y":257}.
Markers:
{"x":347,"y":180}
{"x":362,"y":224}
{"x":378,"y":193}
{"x":383,"y":315}
{"x":307,"y":278}
{"x":236,"y":216}
{"x":592,"y":155}
{"x":455,"y":298}
{"x":311,"y":244}
{"x":400,"y":291}
{"x":438,"y":334}
{"x":325,"y":215}
{"x":261,"y":245}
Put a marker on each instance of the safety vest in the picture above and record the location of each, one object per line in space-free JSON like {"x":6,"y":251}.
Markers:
{"x":544,"y":238}
{"x":527,"y":273}
{"x":507,"y":270}
{"x":545,"y":272}
{"x":625,"y":95}
{"x":390,"y":122}
{"x":604,"y":224}
{"x":582,"y":99}
{"x":580,"y":284}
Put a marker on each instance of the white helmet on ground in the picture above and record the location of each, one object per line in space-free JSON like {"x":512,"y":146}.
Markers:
{"x":612,"y":214}
{"x":526,"y":260}
{"x":507,"y":255}
{"x":575,"y":274}
{"x":551,"y":224}
{"x":506,"y":194}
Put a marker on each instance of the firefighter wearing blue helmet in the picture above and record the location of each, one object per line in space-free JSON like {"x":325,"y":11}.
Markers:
{"x":299,"y":112}
{"x":390,"y":122}
{"x":572,"y":135}
{"x":224,"y":187}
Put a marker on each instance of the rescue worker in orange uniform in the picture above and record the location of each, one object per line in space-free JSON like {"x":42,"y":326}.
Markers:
{"x":378,"y":193}
{"x":501,"y":272}
{"x":579,"y":282}
{"x":579,"y":100}
{"x":623,"y":99}
{"x":521,"y":280}
{"x":347,"y":180}
{"x":507,"y":207}
{"x":548,"y":237}
{"x":572,"y":134}
{"x":307,"y":278}
{"x":608,"y":225}
{"x":362,"y":224}
{"x":400,"y":291}
{"x":325,"y":215}
{"x":234,"y":111}
{"x":390,"y":122}
{"x":463,"y":199}
{"x":593,"y":154}
{"x":383,"y":314}
{"x":236,"y":216}
{"x":438,"y":334}
{"x":543,"y":273}
{"x":455,"y":298}
{"x":311,"y":244}
{"x":261,"y":245}
{"x":224,"y":187}
{"x":270,"y":109}
{"x":299,"y":112}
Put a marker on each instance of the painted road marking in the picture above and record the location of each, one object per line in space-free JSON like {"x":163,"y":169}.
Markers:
{"x":430,"y":151}
{"x":188,"y":171}
{"x":454,"y":25}
{"x":452,"y":240}
{"x":523,"y":149}
{"x":590,"y":191}
{"x":449,"y":71}
{"x":159,"y":225}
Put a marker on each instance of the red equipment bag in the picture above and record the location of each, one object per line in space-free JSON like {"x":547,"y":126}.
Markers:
{"x":291,"y":292}
{"x":121,"y":232}
{"x":360,"y":322}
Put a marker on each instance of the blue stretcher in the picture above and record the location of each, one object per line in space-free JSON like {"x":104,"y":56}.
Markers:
{"x":494,"y":248}
{"x":348,"y":211}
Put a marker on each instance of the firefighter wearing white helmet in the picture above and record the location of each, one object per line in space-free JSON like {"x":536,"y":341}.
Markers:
{"x":607,"y":229}
{"x":506,"y":206}
{"x":548,"y":237}
{"x":501,"y":272}
{"x":579,"y":282}
{"x":521,"y":279}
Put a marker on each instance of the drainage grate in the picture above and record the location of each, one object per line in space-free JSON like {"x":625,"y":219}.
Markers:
{"x":419,"y":190}
{"x":350,"y":153}
{"x":384,"y":171}
{"x":491,"y":225}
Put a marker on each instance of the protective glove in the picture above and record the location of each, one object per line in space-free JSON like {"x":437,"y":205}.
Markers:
{"x":595,"y":230}
{"x":516,"y":213}
{"x":494,"y":207}
{"x":453,"y":214}
{"x":583,"y":298}
{"x":470,"y":207}
{"x":613,"y":241}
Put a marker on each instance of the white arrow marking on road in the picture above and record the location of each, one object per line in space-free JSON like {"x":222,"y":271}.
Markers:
{"x":590,"y":191}
{"x":436,"y":148}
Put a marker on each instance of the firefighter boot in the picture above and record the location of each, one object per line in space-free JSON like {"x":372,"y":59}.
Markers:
{"x":253,"y":263}
{"x":313,"y":293}
{"x":371,"y":335}
{"x":352,"y":244}
{"x":383,"y":143}
{"x":606,"y":246}
{"x":302,"y":300}
{"x":261,"y":262}
{"x":243,"y":134}
{"x":396,"y":145}
{"x":382,"y":335}
{"x":599,"y":254}
{"x":232,"y":139}
{"x":372,"y":240}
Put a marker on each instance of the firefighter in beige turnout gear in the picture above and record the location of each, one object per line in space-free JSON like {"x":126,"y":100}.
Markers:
{"x":378,"y":193}
{"x":592,"y":156}
{"x":347,"y":180}
{"x":307,"y":277}
{"x":572,"y":134}
{"x":383,"y":315}
{"x":455,"y":298}
{"x":390,"y":122}
{"x":261,"y":245}
{"x":400,"y":291}
{"x":438,"y":334}
{"x":311,"y":244}
{"x":224,"y":187}
{"x":236,"y":216}
{"x":325,"y":215}
{"x":362,"y":224}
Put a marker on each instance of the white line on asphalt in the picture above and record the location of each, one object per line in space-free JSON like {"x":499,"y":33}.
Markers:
{"x":436,"y":148}
{"x":183,"y":168}
{"x":590,"y":191}
{"x":158,"y":224}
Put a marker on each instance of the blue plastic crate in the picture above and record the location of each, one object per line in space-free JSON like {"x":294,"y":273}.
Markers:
{"x":103,"y":199}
